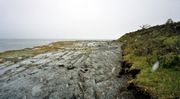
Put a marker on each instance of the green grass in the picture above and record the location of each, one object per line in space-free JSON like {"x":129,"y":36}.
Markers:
{"x":165,"y":83}
{"x":159,"y":43}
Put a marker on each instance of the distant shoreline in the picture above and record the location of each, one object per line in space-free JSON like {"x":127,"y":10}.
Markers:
{"x":19,"y":44}
{"x":26,"y":52}
{"x":11,"y":45}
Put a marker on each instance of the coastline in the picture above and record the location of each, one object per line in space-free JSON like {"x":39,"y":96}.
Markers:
{"x":20,"y":54}
{"x":18,"y":44}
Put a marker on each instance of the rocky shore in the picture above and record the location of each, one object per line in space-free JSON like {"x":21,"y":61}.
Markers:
{"x":84,"y":70}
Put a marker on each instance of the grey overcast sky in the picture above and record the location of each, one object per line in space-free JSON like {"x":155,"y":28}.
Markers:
{"x":81,"y":19}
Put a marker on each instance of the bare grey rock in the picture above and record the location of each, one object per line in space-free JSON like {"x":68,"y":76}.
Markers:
{"x":36,"y":90}
{"x":85,"y":70}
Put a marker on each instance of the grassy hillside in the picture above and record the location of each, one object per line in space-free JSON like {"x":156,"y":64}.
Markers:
{"x":159,"y":43}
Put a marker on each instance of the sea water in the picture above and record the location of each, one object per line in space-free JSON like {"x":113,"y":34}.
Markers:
{"x":15,"y":44}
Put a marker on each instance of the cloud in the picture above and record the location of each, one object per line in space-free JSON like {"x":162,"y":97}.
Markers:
{"x":93,"y":19}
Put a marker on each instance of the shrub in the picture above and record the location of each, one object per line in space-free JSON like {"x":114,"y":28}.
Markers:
{"x":151,"y":59}
{"x":170,"y":60}
{"x":169,"y":21}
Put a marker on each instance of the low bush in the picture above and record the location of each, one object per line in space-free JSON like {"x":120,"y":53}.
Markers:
{"x":170,"y":60}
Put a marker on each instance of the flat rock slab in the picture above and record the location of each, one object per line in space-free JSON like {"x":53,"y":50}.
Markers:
{"x":85,"y":70}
